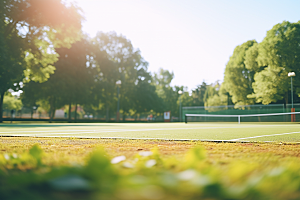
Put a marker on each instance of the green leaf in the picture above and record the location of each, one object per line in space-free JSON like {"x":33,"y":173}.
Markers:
{"x":37,"y":153}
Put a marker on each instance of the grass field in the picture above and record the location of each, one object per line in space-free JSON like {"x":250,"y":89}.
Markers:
{"x":276,"y":132}
{"x":53,"y":163}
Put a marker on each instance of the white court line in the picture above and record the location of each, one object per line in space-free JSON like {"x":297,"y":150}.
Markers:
{"x":109,"y":130}
{"x":39,"y":131}
{"x":45,"y":134}
{"x":263,"y":136}
{"x":112,"y":130}
{"x":77,"y":133}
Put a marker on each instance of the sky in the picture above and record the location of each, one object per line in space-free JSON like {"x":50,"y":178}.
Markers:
{"x":192,"y":38}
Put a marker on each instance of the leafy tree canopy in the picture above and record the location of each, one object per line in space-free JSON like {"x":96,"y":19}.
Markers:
{"x":238,"y":79}
{"x":29,"y":32}
{"x":11,"y":102}
{"x":278,"y":54}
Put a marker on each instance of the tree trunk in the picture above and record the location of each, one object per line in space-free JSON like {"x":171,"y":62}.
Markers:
{"x":107,"y":114}
{"x":70,"y":112}
{"x":75,"y":112}
{"x":124,"y":116}
{"x":1,"y":107}
{"x":50,"y":112}
{"x":31,"y":112}
{"x":52,"y":109}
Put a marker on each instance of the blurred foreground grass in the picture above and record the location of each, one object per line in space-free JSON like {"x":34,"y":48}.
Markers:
{"x":54,"y":168}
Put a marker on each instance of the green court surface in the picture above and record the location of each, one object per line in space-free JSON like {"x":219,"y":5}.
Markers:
{"x":277,"y":132}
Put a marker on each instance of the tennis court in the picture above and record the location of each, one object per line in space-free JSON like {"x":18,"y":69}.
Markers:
{"x":281,"y":132}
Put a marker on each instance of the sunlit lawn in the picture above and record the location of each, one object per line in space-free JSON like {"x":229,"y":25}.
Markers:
{"x":280,"y":132}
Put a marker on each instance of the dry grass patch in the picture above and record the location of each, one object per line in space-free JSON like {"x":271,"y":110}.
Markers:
{"x":62,"y":151}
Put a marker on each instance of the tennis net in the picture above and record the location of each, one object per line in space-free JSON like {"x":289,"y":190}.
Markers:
{"x":271,"y":117}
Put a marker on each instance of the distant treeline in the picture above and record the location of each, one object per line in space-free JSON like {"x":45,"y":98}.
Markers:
{"x":55,"y":65}
{"x":86,"y":74}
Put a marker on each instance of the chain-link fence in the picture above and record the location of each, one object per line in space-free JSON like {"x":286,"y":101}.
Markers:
{"x":60,"y":115}
{"x":240,"y":110}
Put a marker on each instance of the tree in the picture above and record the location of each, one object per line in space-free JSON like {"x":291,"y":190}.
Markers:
{"x":270,"y":85}
{"x":212,"y":90}
{"x":29,"y":32}
{"x":124,"y":63}
{"x":214,"y":98}
{"x":71,"y":82}
{"x":186,"y":99}
{"x":238,"y":78}
{"x":147,"y":98}
{"x":168,"y":94}
{"x":75,"y":74}
{"x":105,"y":74}
{"x":11,"y":102}
{"x":278,"y":54}
{"x":198,"y":94}
{"x":32,"y":92}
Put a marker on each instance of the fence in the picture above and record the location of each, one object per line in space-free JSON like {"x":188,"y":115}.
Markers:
{"x":270,"y":117}
{"x":26,"y":114}
{"x":240,"y":110}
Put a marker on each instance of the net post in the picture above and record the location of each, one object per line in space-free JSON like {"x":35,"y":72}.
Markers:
{"x":185,"y":119}
{"x":239,"y":119}
{"x":293,"y":117}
